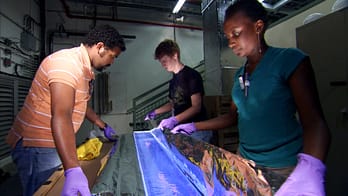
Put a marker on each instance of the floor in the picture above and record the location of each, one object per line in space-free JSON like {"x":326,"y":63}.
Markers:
{"x":9,"y":183}
{"x":11,"y":186}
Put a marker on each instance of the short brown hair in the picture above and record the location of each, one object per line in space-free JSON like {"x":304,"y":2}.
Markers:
{"x":167,"y":47}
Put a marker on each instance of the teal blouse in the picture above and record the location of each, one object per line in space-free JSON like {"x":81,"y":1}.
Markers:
{"x":270,"y":134}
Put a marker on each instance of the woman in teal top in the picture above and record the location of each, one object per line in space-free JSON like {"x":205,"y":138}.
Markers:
{"x":267,"y":112}
{"x":272,"y":87}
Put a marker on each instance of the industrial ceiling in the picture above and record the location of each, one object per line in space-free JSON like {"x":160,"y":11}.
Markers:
{"x":159,"y":12}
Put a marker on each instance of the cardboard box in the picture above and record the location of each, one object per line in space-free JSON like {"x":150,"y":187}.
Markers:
{"x":55,"y":183}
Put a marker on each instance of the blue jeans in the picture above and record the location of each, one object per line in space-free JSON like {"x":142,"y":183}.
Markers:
{"x":203,"y":135}
{"x":35,"y":165}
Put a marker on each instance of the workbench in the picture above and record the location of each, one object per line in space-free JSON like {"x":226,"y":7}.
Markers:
{"x":157,"y":163}
{"x":160,"y":163}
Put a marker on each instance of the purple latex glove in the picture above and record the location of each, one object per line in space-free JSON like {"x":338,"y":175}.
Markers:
{"x":168,"y":123}
{"x":75,"y":182}
{"x":186,"y":129}
{"x":109,"y":133}
{"x":307,"y":179}
{"x":113,"y":149}
{"x":150,"y":116}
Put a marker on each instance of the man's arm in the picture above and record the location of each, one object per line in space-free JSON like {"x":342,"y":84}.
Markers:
{"x":164,"y":108}
{"x":109,"y":132}
{"x":170,"y":123}
{"x":61,"y":123}
{"x":94,"y":118}
{"x":62,"y":104}
{"x":196,"y":104}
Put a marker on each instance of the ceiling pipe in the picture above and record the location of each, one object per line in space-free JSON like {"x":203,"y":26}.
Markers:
{"x":68,"y":14}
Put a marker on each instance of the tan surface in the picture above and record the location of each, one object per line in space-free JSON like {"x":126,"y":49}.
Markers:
{"x":54,"y":184}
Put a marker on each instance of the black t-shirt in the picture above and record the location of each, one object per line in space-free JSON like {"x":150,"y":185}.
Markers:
{"x":181,"y":87}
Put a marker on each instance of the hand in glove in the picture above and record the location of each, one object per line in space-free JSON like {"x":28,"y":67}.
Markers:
{"x":150,"y":116}
{"x":306,"y":179}
{"x":186,"y":129}
{"x":168,"y":123}
{"x":109,"y":132}
{"x":75,"y":182}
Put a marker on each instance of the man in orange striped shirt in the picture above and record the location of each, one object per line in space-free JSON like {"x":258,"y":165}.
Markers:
{"x":43,"y":134}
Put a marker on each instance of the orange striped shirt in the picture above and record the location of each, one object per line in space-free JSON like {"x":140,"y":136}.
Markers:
{"x":33,"y":123}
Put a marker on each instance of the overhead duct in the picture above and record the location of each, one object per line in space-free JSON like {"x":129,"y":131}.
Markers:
{"x":75,"y":15}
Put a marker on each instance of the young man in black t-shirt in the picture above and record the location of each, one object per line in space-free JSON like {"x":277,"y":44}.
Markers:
{"x":186,"y":91}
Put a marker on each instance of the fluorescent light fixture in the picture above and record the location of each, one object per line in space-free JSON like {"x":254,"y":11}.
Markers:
{"x":274,"y":7}
{"x":178,"y":6}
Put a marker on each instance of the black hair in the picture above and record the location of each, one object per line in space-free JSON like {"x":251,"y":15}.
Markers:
{"x":106,"y":34}
{"x":251,"y":8}
{"x":167,"y":47}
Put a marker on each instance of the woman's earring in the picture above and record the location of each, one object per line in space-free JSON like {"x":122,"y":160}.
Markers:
{"x":258,"y":38}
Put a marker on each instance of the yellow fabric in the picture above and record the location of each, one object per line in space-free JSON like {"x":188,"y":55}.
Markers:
{"x":89,"y":150}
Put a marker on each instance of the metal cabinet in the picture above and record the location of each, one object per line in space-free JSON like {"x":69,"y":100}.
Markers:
{"x":326,"y":42}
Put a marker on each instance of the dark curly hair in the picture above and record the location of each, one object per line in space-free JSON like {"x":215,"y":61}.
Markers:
{"x":251,"y":8}
{"x":106,"y":34}
{"x":167,"y":47}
